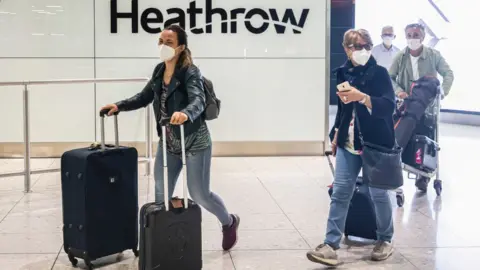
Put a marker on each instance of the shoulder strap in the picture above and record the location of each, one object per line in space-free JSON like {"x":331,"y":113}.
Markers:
{"x":369,"y":73}
{"x":357,"y":122}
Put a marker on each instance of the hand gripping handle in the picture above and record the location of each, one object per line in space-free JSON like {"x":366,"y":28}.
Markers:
{"x":104,"y":113}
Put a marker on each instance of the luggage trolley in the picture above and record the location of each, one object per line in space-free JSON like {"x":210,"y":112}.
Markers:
{"x":414,"y":172}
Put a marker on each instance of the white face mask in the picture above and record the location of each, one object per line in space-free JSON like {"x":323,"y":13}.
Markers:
{"x":361,"y":57}
{"x":166,"y":52}
{"x":388,"y":41}
{"x":414,"y":44}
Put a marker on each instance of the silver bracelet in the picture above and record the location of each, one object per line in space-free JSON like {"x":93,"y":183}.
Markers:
{"x":364,"y":100}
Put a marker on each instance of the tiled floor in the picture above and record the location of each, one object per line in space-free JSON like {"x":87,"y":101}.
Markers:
{"x":283,"y":203}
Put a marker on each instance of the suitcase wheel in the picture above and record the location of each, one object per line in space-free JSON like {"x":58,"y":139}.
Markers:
{"x":89,"y":264}
{"x":73,"y":260}
{"x":135,"y":252}
{"x":400,"y":199}
{"x":437,"y":185}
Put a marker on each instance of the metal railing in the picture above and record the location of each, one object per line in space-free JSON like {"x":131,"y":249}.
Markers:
{"x":27,"y":171}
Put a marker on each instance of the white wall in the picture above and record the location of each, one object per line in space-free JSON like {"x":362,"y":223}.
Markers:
{"x":272,"y":85}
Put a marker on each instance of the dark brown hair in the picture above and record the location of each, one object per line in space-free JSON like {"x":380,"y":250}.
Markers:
{"x":185,"y":58}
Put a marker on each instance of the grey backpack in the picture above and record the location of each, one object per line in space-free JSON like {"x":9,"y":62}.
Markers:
{"x":212,"y":108}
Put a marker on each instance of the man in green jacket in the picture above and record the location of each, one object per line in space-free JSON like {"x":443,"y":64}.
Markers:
{"x":413,"y":63}
{"x":416,"y":61}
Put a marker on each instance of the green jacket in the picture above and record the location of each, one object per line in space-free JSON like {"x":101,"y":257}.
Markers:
{"x":431,"y":62}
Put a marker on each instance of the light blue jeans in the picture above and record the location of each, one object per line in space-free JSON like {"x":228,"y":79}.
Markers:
{"x":347,"y":169}
{"x":198,"y":172}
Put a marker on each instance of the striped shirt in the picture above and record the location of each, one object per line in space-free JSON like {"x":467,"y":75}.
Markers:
{"x":196,"y":141}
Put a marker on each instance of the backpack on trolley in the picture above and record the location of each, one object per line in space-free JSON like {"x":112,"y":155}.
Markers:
{"x":416,"y":130}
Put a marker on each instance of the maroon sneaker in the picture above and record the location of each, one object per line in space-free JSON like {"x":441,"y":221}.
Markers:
{"x":230,"y":233}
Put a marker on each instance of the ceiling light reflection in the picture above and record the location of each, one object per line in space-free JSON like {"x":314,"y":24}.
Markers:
{"x":7,"y":13}
{"x":46,"y":12}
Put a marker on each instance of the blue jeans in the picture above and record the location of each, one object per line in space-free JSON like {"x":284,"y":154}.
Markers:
{"x":198,"y":172}
{"x":347,"y":169}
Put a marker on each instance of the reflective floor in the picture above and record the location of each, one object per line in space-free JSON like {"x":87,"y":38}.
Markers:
{"x":283,"y":203}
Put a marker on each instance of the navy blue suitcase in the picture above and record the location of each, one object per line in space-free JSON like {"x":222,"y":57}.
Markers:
{"x":171,"y":234}
{"x":361,"y":218}
{"x":100,"y":200}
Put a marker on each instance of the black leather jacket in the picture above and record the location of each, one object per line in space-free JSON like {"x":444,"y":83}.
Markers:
{"x":185,"y":94}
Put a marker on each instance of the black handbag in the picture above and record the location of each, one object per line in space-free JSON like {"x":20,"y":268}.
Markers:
{"x":382,"y":167}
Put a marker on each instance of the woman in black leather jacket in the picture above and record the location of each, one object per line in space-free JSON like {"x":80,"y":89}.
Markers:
{"x":176,"y":90}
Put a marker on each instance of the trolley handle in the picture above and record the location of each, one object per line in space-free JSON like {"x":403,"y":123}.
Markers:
{"x":104,"y":112}
{"x":165,"y":120}
{"x":328,"y":154}
{"x":163,"y":123}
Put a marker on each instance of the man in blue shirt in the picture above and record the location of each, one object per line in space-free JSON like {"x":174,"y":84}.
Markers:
{"x":385,"y":52}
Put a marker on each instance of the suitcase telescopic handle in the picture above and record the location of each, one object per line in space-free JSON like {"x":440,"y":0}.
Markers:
{"x":163,"y":122}
{"x":104,"y":113}
{"x":328,"y":154}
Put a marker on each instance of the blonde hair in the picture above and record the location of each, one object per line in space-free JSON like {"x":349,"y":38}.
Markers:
{"x":353,"y":35}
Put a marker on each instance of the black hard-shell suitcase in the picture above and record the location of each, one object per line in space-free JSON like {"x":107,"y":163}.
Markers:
{"x":100,"y":200}
{"x":421,"y":153}
{"x":171,"y":238}
{"x":361,"y":218}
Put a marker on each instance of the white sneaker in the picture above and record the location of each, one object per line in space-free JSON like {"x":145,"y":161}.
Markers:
{"x":324,"y":254}
{"x":382,"y":251}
